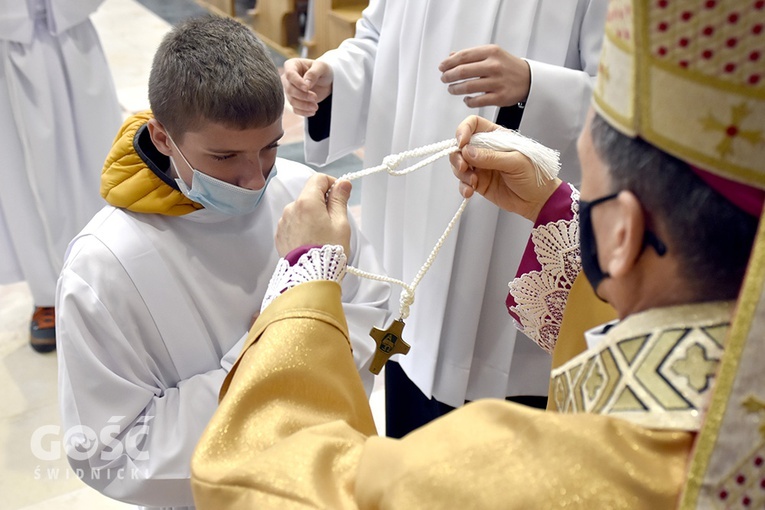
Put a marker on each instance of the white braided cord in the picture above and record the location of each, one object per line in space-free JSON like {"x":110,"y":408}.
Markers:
{"x":545,"y":161}
{"x":407,"y":296}
{"x":434,"y":152}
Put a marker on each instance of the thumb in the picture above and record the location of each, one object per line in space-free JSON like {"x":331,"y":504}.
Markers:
{"x":337,"y":202}
{"x":479,"y":157}
{"x":312,"y":76}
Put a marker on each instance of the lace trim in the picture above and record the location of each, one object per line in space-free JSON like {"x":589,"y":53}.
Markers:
{"x":540,"y":296}
{"x":326,"y":263}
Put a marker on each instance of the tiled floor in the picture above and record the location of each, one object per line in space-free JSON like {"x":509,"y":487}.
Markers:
{"x":33,"y":473}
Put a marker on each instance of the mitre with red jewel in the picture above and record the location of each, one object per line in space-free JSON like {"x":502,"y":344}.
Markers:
{"x":688,"y":76}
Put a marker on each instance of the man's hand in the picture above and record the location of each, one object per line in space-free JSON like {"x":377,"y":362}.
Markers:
{"x":492,"y":76}
{"x":508,"y":179}
{"x":310,"y":220}
{"x":306,"y":84}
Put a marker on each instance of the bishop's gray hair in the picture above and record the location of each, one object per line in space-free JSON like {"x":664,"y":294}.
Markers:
{"x":712,"y":237}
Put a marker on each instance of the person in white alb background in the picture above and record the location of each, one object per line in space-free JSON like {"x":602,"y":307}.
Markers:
{"x":58,"y":116}
{"x":412,"y":72}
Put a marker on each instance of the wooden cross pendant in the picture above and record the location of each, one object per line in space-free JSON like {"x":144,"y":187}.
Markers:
{"x":389,"y":342}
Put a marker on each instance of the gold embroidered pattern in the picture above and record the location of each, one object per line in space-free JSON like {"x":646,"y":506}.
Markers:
{"x":744,"y":487}
{"x":732,"y":130}
{"x":696,"y":368}
{"x":655,"y":375}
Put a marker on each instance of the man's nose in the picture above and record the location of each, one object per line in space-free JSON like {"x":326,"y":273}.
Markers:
{"x":252,"y":176}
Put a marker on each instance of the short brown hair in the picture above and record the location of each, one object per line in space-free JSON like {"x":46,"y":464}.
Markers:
{"x":214,"y":69}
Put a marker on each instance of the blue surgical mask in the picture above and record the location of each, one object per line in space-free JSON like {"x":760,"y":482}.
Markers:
{"x":219,"y":195}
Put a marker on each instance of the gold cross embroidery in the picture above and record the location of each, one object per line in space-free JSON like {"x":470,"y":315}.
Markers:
{"x":696,"y":367}
{"x":594,"y":382}
{"x":754,"y":405}
{"x":733,"y":129}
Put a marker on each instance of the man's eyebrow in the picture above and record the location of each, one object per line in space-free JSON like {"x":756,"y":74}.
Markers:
{"x":231,"y":151}
{"x":277,"y":138}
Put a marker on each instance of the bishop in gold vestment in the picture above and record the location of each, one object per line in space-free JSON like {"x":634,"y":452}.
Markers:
{"x":660,"y":409}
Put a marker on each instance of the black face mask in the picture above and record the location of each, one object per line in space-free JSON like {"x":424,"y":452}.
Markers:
{"x":588,"y":246}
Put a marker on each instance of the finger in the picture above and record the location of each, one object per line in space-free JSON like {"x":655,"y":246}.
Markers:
{"x":460,"y":168}
{"x":479,"y":101}
{"x":511,"y":162}
{"x":315,"y":74}
{"x":469,"y":126}
{"x":319,"y":185}
{"x":466,"y":190}
{"x":458,"y":164}
{"x":295,"y":78}
{"x":337,"y":202}
{"x":480,"y":157}
{"x":305,"y":106}
{"x":467,"y":72}
{"x":313,"y":195}
{"x":304,"y":113}
{"x":463,"y":57}
{"x":465,"y":130}
{"x":462,"y":171}
{"x":472,"y":86}
{"x":294,"y":93}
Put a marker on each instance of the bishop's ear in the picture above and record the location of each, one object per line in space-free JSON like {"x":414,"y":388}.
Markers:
{"x":628,"y":234}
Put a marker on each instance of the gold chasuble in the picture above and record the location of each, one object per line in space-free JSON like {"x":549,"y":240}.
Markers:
{"x":666,"y":410}
{"x":294,"y":430}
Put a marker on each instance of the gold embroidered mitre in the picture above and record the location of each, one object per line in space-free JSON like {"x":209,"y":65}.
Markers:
{"x":688,"y":76}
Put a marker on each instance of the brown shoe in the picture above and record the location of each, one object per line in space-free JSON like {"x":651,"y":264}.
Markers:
{"x":42,"y":330}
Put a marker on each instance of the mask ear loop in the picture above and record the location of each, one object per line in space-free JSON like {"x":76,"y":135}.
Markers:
{"x":654,"y":242}
{"x":651,"y":239}
{"x":177,"y":174}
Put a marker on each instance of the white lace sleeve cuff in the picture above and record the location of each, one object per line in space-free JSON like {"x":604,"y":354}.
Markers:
{"x":326,"y":263}
{"x":539,"y":297}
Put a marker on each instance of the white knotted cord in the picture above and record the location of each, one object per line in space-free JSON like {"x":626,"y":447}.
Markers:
{"x":545,"y":160}
{"x":435,"y":151}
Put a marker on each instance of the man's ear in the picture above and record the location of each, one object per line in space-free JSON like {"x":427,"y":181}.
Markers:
{"x":159,"y":137}
{"x":628,"y":235}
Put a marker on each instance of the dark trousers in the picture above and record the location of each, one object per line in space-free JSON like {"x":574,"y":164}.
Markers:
{"x":407,"y":408}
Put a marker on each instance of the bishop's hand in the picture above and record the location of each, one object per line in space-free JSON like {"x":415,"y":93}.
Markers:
{"x":319,"y":216}
{"x":508,"y":179}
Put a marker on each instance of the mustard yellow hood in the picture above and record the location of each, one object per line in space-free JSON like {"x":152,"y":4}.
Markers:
{"x":128,"y":182}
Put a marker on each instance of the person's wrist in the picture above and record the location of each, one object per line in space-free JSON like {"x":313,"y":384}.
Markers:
{"x":550,"y":187}
{"x":294,"y":255}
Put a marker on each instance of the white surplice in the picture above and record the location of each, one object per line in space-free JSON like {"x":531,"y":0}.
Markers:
{"x":388,"y":97}
{"x":152,"y":312}
{"x":58,"y":116}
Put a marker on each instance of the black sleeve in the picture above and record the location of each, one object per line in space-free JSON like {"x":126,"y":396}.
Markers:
{"x":510,"y":116}
{"x":318,"y":125}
